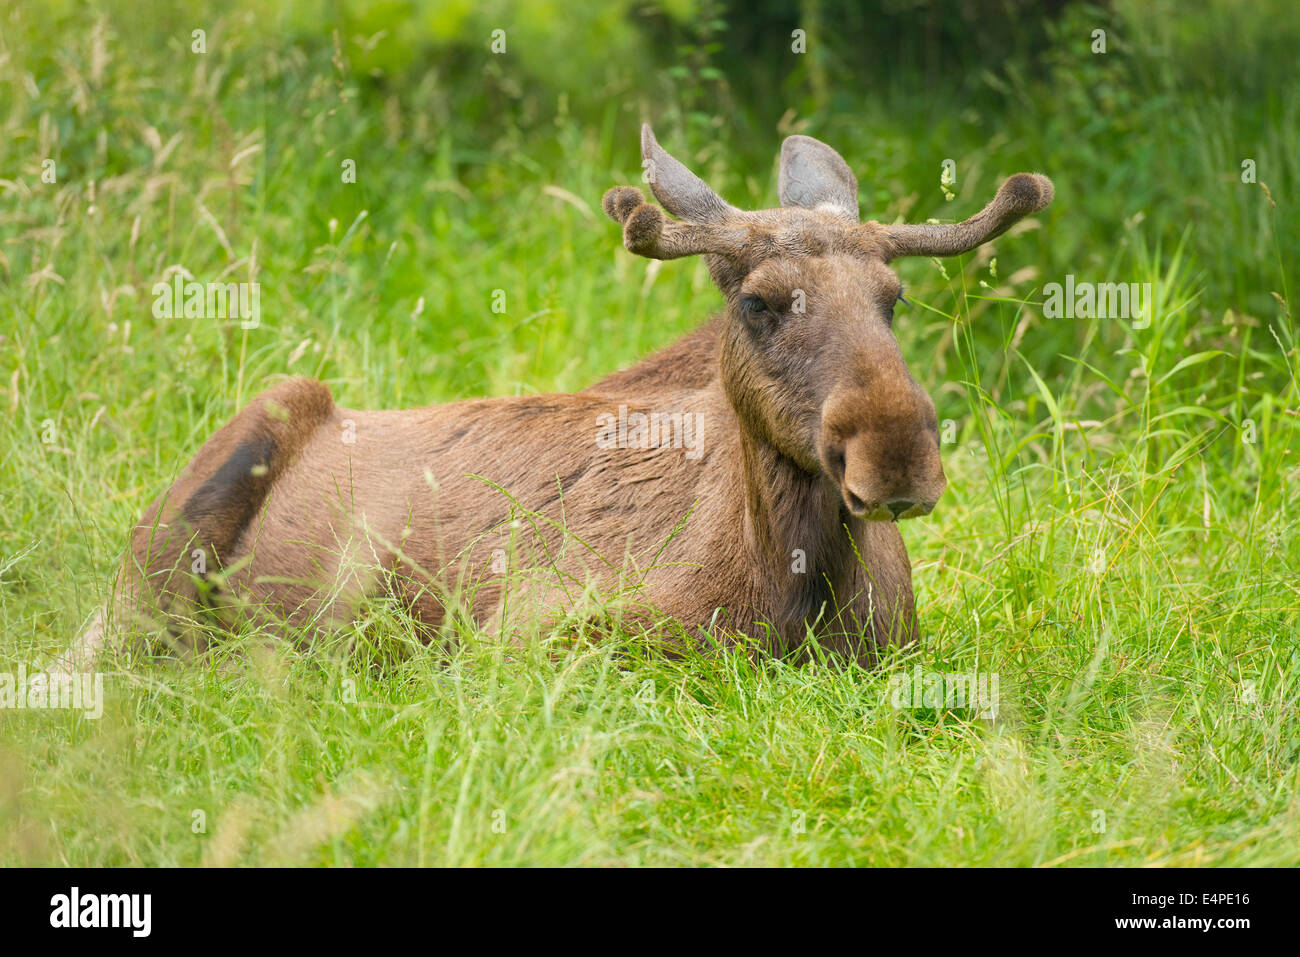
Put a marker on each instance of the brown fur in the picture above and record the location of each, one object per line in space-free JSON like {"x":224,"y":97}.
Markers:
{"x":814,"y":435}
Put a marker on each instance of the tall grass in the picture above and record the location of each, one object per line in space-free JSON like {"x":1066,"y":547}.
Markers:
{"x":1117,"y":542}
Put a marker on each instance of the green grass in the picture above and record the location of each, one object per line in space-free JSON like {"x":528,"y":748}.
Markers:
{"x":1111,"y":544}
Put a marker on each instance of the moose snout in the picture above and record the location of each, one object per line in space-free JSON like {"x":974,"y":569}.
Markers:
{"x":886,"y":469}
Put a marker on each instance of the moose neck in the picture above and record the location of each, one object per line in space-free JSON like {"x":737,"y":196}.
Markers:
{"x":795,"y":532}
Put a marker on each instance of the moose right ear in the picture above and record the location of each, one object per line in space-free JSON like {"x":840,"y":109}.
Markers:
{"x":814,"y":175}
{"x":680,"y":191}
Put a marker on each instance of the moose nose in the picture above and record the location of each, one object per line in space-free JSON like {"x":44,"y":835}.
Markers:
{"x":880,"y":447}
{"x":882,"y":478}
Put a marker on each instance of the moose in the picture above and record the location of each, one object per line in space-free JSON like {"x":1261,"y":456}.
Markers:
{"x":811,"y":442}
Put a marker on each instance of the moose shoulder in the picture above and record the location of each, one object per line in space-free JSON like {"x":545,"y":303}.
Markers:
{"x":746,"y":480}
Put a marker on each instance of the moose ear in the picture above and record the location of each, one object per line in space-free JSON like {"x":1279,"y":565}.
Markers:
{"x":680,"y":191}
{"x":813,"y":175}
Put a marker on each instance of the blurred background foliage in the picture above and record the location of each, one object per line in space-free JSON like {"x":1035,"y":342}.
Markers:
{"x":469,"y":156}
{"x":1157,"y":126}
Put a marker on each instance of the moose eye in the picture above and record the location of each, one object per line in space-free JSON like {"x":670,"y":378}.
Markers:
{"x":753,"y":305}
{"x":889,"y":313}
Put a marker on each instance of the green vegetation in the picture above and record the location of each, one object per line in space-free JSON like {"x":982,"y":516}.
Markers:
{"x":1117,"y":543}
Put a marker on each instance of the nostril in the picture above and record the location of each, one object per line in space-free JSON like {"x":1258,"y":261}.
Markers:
{"x":899,"y":506}
{"x":856,"y":505}
{"x":835,"y":463}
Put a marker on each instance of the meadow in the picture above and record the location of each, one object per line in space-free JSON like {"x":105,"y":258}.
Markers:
{"x":1117,"y":542}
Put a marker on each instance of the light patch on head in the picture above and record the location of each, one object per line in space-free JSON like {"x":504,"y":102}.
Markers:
{"x":837,"y":209}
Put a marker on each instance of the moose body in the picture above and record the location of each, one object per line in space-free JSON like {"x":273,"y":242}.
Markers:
{"x":449,"y":500}
{"x":812,"y":440}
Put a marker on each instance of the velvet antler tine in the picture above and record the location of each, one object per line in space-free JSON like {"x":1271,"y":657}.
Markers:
{"x":1019,"y":196}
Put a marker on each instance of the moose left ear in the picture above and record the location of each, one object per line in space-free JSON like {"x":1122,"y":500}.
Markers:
{"x":813,"y":175}
{"x":680,"y":191}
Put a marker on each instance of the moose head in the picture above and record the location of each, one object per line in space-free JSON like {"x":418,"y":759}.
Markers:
{"x":808,"y":357}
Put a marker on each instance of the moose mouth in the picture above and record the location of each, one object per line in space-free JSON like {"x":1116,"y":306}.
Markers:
{"x":873,"y":509}
{"x":891,"y":511}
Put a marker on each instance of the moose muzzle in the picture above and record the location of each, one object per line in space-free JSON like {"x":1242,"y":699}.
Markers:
{"x":882,"y":450}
